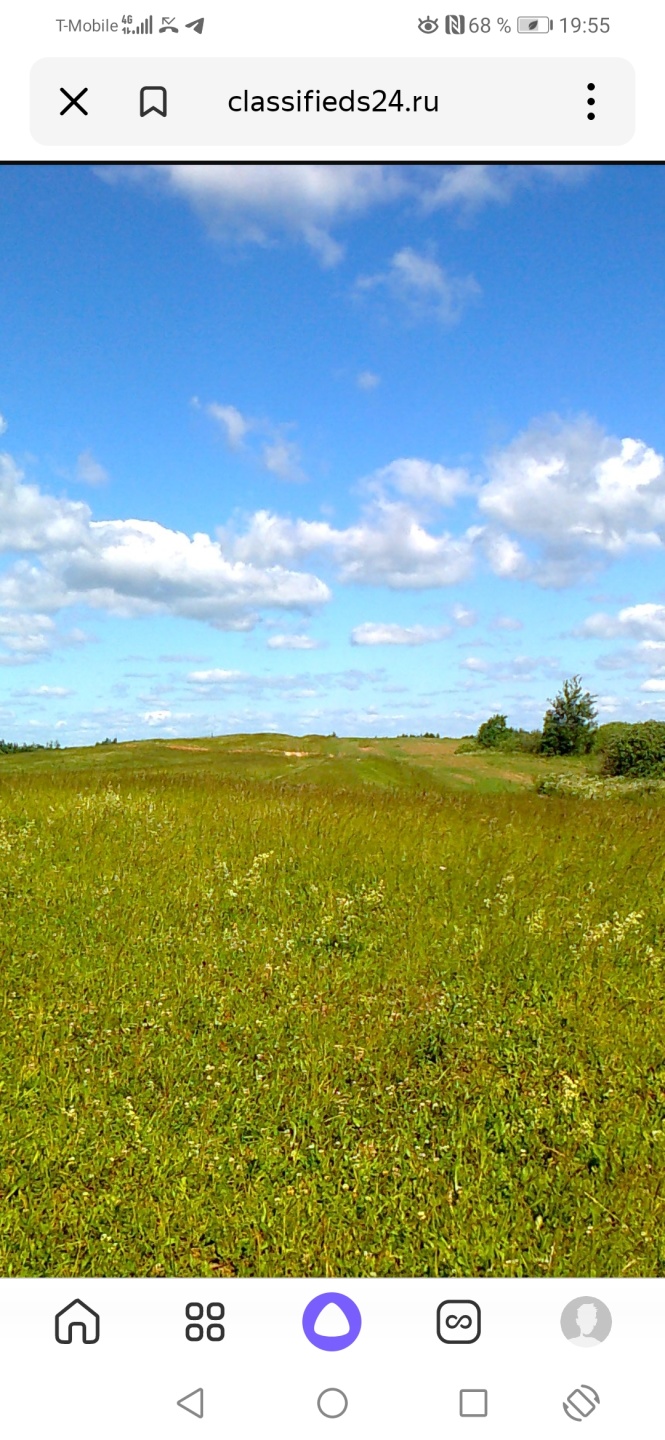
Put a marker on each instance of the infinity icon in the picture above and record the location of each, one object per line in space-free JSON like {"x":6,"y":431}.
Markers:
{"x":455,"y":1316}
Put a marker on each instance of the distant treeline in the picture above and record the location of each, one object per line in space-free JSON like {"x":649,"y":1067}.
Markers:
{"x":8,"y":747}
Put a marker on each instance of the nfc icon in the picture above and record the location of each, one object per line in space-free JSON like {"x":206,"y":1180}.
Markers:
{"x":458,"y":1322}
{"x":455,"y":24}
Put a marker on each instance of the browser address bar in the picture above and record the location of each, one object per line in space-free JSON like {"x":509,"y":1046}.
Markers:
{"x":356,"y":103}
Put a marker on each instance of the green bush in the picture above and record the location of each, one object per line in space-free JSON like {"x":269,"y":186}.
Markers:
{"x":637,"y":750}
{"x":493,"y":732}
{"x":528,"y":741}
{"x":605,"y":733}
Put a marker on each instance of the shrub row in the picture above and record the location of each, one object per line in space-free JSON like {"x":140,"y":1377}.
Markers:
{"x":637,"y":750}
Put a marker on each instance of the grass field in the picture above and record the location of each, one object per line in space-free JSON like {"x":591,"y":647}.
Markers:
{"x":274,"y":1006}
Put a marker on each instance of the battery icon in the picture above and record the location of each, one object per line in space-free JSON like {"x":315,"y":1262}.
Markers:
{"x":534,"y":24}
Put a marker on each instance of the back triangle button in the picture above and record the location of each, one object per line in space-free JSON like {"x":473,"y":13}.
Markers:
{"x":193,"y":1403}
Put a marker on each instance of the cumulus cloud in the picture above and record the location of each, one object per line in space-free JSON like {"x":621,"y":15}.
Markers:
{"x":420,"y":480}
{"x":33,"y":521}
{"x":644,"y":625}
{"x":642,"y":622}
{"x":388,"y":546}
{"x":580,"y":496}
{"x":25,"y":638}
{"x":261,"y":204}
{"x":254,"y":204}
{"x":506,"y":557}
{"x":391,"y":634}
{"x":89,"y":471}
{"x":128,"y":567}
{"x":293,"y":642}
{"x":471,"y":187}
{"x":421,"y":286}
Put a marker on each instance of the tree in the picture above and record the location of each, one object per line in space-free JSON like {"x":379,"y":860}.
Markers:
{"x":493,"y":732}
{"x":570,"y":723}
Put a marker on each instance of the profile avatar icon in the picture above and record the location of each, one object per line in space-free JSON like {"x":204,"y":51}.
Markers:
{"x":428,"y":25}
{"x":586,"y":1322}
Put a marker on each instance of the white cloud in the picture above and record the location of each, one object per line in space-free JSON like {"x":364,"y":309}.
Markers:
{"x":89,"y":471}
{"x":293,"y":642}
{"x":470,"y":187}
{"x":55,"y":692}
{"x":31,"y":520}
{"x":156,"y":717}
{"x":391,"y":634}
{"x":581,"y":495}
{"x":280,"y":455}
{"x":642,"y":622}
{"x":507,"y":622}
{"x":506,"y":558}
{"x":388,"y":546}
{"x":253,"y":204}
{"x":214,"y":677}
{"x":475,"y":664}
{"x":420,"y":480}
{"x":423,"y":287}
{"x":463,"y":616}
{"x":234,"y":425}
{"x":653,"y":685}
{"x":26,"y":638}
{"x":282,"y":458}
{"x":367,"y":380}
{"x":129,"y":567}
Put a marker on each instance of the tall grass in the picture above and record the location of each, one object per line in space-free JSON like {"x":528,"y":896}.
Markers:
{"x":255,"y":1029}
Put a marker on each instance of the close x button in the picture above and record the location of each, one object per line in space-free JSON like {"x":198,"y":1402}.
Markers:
{"x":74,"y":101}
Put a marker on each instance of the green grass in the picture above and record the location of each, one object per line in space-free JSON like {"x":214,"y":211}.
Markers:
{"x":374,"y":1009}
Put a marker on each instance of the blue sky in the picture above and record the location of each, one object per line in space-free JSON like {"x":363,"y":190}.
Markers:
{"x":372,"y":449}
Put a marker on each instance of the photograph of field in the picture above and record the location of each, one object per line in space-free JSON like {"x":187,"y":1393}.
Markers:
{"x":332,"y":778}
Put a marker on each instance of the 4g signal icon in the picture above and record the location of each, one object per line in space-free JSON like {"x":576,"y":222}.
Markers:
{"x":142,"y":27}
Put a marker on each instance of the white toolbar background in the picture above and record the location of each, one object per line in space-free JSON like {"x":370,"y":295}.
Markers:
{"x":295,"y":29}
{"x":264,"y":1378}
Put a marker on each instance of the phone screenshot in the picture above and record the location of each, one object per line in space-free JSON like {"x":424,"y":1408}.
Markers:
{"x":332,"y":756}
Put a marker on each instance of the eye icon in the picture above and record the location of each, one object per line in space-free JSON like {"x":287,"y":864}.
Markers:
{"x":428,"y":25}
{"x":458,"y":1322}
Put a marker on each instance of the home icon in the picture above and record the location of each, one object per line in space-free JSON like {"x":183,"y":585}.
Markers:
{"x":77,"y":1316}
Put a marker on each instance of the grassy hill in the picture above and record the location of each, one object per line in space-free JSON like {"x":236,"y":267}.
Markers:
{"x":315,"y":1006}
{"x":403,"y":764}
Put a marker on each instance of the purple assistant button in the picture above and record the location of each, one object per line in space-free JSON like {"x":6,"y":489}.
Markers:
{"x":350,"y":1312}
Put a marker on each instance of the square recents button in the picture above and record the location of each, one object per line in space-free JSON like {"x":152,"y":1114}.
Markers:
{"x":473,"y":1402}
